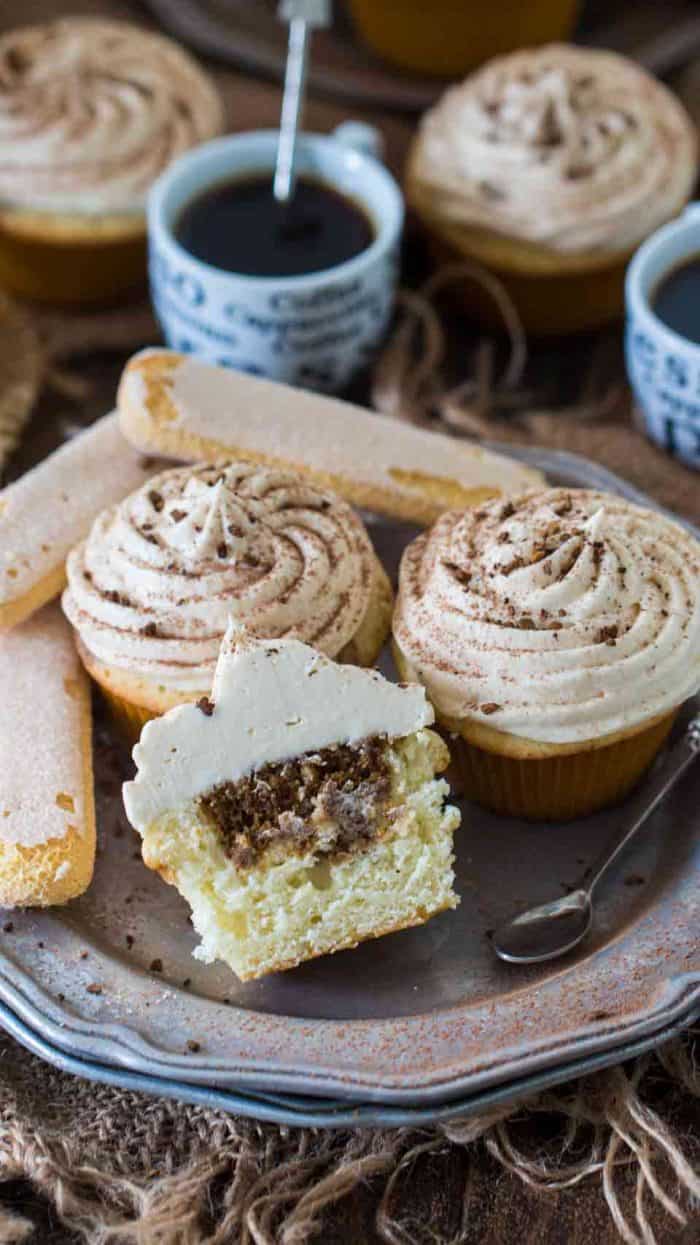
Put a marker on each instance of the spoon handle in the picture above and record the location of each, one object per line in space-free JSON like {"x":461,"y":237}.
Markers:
{"x":303,"y":17}
{"x":677,"y":761}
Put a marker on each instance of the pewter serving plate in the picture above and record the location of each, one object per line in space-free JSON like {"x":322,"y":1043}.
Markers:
{"x":412,"y":1027}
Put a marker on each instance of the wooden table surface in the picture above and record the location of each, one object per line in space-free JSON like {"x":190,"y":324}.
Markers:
{"x":500,"y":1209}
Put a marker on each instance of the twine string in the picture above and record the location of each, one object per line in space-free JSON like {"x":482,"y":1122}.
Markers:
{"x":408,"y":380}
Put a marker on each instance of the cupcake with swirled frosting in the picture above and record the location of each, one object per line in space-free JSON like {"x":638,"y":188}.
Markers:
{"x":151,"y":591}
{"x":550,"y":166}
{"x":556,"y":634}
{"x":91,"y":112}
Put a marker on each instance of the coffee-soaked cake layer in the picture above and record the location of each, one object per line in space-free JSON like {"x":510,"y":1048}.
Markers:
{"x":331,"y":801}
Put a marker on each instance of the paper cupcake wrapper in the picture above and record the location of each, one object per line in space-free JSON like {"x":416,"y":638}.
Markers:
{"x":557,"y":788}
{"x":129,"y":718}
{"x":72,"y":271}
{"x":131,"y":715}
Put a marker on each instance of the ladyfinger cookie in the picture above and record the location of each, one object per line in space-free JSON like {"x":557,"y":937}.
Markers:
{"x":47,"y":813}
{"x":48,"y":510}
{"x":177,"y":405}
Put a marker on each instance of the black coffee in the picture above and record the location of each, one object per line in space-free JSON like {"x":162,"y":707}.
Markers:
{"x":676,"y":299}
{"x":240,"y":227}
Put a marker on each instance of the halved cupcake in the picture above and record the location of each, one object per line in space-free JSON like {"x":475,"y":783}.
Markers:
{"x":151,"y":590}
{"x":297,"y":810}
{"x":557,"y":634}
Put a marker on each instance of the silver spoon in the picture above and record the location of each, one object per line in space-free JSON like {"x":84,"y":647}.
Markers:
{"x":303,"y":16}
{"x":552,"y":929}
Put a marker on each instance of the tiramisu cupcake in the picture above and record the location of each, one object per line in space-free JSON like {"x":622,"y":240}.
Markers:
{"x":550,"y":166}
{"x":150,"y":592}
{"x":556,"y":634}
{"x":297,"y":810}
{"x":91,"y":111}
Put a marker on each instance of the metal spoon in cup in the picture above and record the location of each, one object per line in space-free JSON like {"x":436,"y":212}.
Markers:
{"x":303,"y":17}
{"x":552,"y":929}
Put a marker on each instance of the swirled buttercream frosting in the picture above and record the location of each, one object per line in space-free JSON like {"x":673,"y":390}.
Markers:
{"x":91,"y":111}
{"x":558,"y":616}
{"x":573,"y":149}
{"x":154,"y":586}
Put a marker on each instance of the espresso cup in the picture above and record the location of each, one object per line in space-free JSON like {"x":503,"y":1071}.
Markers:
{"x":316,"y":330}
{"x":663,"y":367}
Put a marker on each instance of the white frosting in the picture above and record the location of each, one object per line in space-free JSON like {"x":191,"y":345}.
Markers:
{"x":273,"y":700}
{"x":568,"y":147}
{"x":91,"y":111}
{"x":562,"y":616}
{"x":153,"y":587}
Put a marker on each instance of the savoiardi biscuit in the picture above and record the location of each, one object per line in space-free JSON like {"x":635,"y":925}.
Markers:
{"x":47,"y":816}
{"x":176,"y":405}
{"x":48,"y":510}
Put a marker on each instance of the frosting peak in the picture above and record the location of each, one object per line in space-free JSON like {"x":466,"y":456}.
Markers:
{"x":206,"y":520}
{"x":91,"y":111}
{"x":567,"y":147}
{"x":161,"y":574}
{"x":559,"y":616}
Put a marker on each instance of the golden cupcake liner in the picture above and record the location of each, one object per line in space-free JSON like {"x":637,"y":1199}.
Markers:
{"x":71,"y":271}
{"x":547,"y":302}
{"x":558,"y":787}
{"x":131,"y":701}
{"x":129,"y":718}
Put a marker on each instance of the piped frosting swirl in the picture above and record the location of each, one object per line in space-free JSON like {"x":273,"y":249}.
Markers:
{"x":558,"y":616}
{"x":574,"y":149}
{"x":91,"y":112}
{"x":153,"y":587}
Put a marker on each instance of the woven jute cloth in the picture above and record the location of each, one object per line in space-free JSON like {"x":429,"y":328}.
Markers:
{"x":612,"y":1156}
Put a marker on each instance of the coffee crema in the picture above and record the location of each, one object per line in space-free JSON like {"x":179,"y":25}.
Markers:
{"x":239,"y":226}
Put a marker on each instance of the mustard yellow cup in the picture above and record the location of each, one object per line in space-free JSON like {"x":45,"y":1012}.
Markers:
{"x":449,"y":37}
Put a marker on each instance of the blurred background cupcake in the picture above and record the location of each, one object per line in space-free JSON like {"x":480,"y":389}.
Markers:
{"x":449,"y":37}
{"x":550,"y":167}
{"x":91,"y":112}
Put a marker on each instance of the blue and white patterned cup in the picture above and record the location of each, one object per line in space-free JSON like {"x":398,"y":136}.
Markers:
{"x":663,"y":367}
{"x":315,"y":330}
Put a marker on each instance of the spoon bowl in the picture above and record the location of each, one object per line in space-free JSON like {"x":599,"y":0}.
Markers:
{"x":545,"y":932}
{"x":552,"y":929}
